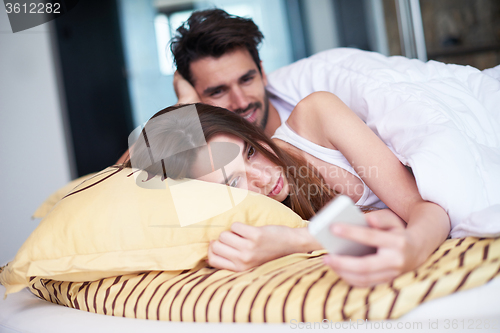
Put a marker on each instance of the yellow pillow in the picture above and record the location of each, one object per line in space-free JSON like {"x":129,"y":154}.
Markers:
{"x":54,"y":198}
{"x":120,"y":222}
{"x":295,"y":288}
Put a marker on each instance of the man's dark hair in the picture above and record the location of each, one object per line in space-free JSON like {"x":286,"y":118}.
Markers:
{"x":212,"y":33}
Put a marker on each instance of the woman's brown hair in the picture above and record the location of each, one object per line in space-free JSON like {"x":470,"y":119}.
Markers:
{"x":165,"y":136}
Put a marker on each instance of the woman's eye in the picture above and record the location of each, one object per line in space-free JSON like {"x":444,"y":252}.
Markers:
{"x":234,"y":182}
{"x":251,"y":151}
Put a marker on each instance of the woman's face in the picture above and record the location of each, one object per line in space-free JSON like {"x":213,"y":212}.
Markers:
{"x":243,"y":167}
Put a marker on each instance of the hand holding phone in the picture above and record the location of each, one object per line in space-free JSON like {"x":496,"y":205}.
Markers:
{"x":343,"y":211}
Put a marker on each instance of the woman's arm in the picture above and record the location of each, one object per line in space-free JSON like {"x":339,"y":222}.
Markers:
{"x":324,"y":119}
{"x":244,"y":246}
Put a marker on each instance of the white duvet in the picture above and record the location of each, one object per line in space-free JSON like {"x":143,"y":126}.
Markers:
{"x":442,"y":120}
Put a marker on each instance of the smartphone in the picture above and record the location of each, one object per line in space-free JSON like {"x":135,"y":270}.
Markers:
{"x":343,"y":211}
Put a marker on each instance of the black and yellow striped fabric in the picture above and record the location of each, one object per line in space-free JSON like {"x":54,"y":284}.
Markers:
{"x":297,"y":287}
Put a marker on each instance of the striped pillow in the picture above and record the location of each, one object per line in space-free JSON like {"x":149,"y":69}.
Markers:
{"x":297,"y":287}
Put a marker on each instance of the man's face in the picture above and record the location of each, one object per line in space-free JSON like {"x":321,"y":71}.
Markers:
{"x":234,"y":82}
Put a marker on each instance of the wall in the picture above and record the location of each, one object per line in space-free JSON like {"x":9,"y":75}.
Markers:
{"x":322,"y":26}
{"x":462,"y":32}
{"x":34,"y":156}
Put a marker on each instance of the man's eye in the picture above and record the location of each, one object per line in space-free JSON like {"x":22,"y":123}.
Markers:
{"x":234,"y":182}
{"x":247,"y":79}
{"x":216,"y":92}
{"x":251,"y":151}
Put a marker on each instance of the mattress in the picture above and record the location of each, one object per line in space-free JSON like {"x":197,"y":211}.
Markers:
{"x":474,"y":308}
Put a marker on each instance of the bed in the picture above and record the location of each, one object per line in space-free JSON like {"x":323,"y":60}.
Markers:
{"x":458,"y":285}
{"x":24,"y":312}
{"x":106,"y":255}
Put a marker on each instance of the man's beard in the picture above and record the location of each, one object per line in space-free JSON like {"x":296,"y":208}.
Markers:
{"x":258,"y":105}
{"x":265,"y":114}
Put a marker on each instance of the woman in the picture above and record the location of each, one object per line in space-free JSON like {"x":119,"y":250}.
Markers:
{"x":273,"y":168}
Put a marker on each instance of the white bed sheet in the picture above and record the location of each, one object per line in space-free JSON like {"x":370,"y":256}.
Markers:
{"x":23,"y":312}
{"x":442,"y":120}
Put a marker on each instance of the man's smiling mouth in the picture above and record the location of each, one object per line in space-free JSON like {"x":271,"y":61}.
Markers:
{"x":250,"y":116}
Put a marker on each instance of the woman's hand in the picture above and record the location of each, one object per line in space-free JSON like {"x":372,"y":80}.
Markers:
{"x":244,"y":246}
{"x":184,"y":91}
{"x":394,"y":254}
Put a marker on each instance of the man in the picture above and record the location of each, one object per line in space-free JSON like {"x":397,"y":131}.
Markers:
{"x":218,"y":63}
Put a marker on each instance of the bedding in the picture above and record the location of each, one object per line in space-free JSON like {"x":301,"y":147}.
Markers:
{"x":442,"y":120}
{"x":24,"y":312}
{"x":297,"y":287}
{"x":120,"y":221}
{"x":493,"y":72}
{"x":54,"y":198}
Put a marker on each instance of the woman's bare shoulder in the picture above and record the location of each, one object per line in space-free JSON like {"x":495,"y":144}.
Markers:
{"x":310,"y":120}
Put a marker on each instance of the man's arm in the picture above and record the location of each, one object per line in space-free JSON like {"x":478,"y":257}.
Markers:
{"x":123,"y":158}
{"x":184,"y":90}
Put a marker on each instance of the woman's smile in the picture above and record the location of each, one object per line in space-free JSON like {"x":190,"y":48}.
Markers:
{"x":277,"y":188}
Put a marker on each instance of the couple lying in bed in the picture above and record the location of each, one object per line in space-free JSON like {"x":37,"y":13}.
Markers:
{"x":442,"y":120}
{"x":239,"y":154}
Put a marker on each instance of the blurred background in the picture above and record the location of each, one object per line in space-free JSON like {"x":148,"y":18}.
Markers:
{"x":73,"y":89}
